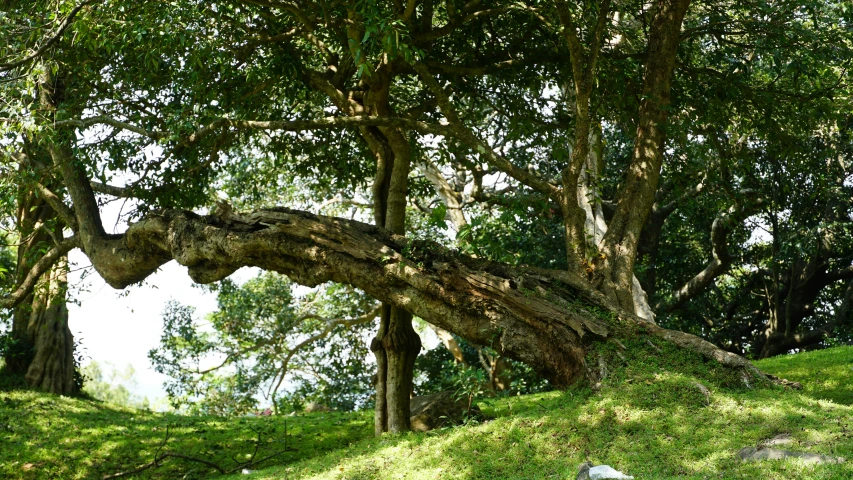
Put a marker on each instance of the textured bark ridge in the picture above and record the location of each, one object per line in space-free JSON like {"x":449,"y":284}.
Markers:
{"x":42,"y":323}
{"x":543,"y":318}
{"x":52,"y":368}
{"x":45,"y":352}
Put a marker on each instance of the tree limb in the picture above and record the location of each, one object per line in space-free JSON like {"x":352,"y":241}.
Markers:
{"x":720,"y":258}
{"x":330,"y":325}
{"x":120,"y":192}
{"x":59,"y":206}
{"x":466,"y":136}
{"x":43,"y":265}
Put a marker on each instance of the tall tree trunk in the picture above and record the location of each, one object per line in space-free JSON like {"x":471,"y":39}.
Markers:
{"x":40,"y":323}
{"x":614,"y":273}
{"x":396,"y":344}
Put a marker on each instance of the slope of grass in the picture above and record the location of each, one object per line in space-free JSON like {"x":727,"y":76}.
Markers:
{"x":649,"y":419}
{"x":826,"y":374}
{"x":46,"y":436}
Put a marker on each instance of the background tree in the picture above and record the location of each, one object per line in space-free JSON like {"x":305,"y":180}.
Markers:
{"x":261,"y":339}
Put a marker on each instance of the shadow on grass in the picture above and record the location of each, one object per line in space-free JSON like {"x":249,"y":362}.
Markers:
{"x":46,"y":436}
{"x":550,"y":435}
{"x":648,"y":421}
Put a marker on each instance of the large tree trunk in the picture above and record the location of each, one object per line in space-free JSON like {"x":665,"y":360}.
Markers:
{"x":45,"y":353}
{"x":46,"y":323}
{"x":547,"y":319}
{"x":614,"y":274}
{"x":396,"y":344}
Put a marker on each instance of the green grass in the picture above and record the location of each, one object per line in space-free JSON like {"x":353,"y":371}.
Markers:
{"x":826,"y":374}
{"x":649,"y":420}
{"x":46,"y":436}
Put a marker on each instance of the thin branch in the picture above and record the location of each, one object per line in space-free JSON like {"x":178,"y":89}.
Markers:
{"x":330,"y":325}
{"x":112,"y":122}
{"x":462,"y":133}
{"x":120,"y":192}
{"x":59,"y":206}
{"x":161,"y":457}
{"x":43,"y":265}
{"x":279,"y":125}
{"x":670,"y":207}
{"x":343,"y":201}
{"x":720,"y":258}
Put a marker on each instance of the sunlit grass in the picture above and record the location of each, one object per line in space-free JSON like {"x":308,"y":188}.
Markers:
{"x":649,"y":420}
{"x":45,"y":436}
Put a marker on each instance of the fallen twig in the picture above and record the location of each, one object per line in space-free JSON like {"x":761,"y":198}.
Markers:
{"x":159,"y":457}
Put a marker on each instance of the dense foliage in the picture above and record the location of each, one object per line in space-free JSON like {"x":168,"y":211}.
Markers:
{"x":263,"y":344}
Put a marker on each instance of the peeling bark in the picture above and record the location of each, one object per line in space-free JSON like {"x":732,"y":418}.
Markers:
{"x":543,"y":318}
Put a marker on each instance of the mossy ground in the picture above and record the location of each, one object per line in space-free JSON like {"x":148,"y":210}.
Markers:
{"x":649,"y":419}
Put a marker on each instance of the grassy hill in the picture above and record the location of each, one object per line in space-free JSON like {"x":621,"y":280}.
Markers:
{"x":649,"y":419}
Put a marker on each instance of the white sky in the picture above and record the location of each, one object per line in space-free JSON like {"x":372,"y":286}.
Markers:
{"x":120,"y":327}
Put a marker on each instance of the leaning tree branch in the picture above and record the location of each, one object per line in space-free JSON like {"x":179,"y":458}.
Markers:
{"x":540,"y":317}
{"x":485,"y":302}
{"x":42,"y":266}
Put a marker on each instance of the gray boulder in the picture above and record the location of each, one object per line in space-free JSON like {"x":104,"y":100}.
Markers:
{"x":750,"y":454}
{"x":439,"y":410}
{"x":312,"y":407}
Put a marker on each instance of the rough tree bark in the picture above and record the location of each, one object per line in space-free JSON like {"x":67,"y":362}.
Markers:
{"x":614,"y":269}
{"x":544,"y":318}
{"x":547,"y":319}
{"x":40,"y":321}
{"x":396,"y":344}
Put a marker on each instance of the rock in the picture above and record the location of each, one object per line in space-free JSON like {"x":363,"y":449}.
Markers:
{"x":312,"y":407}
{"x":438,"y":410}
{"x":583,"y":471}
{"x":750,"y":454}
{"x":601,"y":472}
{"x":781,"y":439}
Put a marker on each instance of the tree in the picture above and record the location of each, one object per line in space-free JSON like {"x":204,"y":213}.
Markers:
{"x":106,"y":383}
{"x":39,"y":346}
{"x":262,"y":338}
{"x":356,"y":94}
